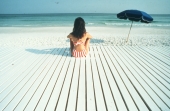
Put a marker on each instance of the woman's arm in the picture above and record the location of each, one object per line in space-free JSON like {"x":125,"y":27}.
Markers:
{"x":87,"y":44}
{"x":71,"y":46}
{"x":88,"y":35}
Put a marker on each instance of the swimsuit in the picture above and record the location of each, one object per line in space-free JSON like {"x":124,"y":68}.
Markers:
{"x":76,"y":53}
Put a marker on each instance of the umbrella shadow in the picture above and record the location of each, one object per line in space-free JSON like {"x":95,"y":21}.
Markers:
{"x":52,"y":51}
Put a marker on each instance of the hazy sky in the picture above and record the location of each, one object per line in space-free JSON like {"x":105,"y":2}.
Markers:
{"x":83,"y":6}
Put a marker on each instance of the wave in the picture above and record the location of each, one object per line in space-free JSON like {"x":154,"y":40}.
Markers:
{"x":90,"y":23}
{"x":142,"y":24}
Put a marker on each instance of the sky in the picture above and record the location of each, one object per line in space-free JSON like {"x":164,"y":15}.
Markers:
{"x":82,"y":6}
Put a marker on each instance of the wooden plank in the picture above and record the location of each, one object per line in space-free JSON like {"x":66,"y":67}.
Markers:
{"x":109,"y":101}
{"x":159,"y":68}
{"x":35,"y":80}
{"x":3,"y":59}
{"x":167,"y":49}
{"x":43,"y":80}
{"x":12,"y":56}
{"x":62,"y":100}
{"x":130,"y":87}
{"x":151,"y":89}
{"x":10,"y":76}
{"x":163,"y":50}
{"x":130,"y":72}
{"x":81,"y":99}
{"x":99,"y":98}
{"x":160,"y":52}
{"x":9,"y":53}
{"x":110,"y":70}
{"x":155,"y":62}
{"x":162,"y":71}
{"x":11,"y":66}
{"x":110,"y":78}
{"x":11,"y":84}
{"x":158,"y":56}
{"x":55,"y":83}
{"x":90,"y":93}
{"x":153,"y":74}
{"x":4,"y":52}
{"x":73,"y":93}
{"x":12,"y":60}
{"x":18,"y":93}
{"x":122,"y":87}
{"x":138,"y":87}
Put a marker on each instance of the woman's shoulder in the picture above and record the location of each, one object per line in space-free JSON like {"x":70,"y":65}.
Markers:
{"x":70,"y":36}
{"x":88,"y":35}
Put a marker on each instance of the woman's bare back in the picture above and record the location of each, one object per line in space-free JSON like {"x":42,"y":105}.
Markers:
{"x":84,"y":42}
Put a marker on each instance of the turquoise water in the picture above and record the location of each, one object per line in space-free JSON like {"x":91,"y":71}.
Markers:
{"x":57,"y":20}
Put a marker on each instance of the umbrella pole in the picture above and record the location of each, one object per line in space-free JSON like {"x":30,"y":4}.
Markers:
{"x":129,"y":32}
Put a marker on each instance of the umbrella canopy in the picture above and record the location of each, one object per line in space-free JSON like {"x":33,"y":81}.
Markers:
{"x":135,"y":15}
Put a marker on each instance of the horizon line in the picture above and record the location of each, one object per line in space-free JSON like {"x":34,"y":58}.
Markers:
{"x":62,"y":13}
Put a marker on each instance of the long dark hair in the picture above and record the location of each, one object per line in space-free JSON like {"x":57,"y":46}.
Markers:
{"x":79,"y":28}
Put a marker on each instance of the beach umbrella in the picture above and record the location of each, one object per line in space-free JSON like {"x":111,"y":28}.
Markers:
{"x":135,"y":15}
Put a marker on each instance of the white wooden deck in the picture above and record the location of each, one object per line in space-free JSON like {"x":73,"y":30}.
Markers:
{"x":109,"y":79}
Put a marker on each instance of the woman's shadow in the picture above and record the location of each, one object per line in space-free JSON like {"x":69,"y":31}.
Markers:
{"x":93,"y":40}
{"x":65,"y":51}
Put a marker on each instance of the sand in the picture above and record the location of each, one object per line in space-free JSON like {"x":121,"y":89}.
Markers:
{"x":57,"y":36}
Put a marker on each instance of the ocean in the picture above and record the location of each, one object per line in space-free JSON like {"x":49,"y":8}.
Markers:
{"x":67,"y":19}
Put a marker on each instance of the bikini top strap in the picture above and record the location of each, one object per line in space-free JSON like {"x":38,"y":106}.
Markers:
{"x":78,"y":42}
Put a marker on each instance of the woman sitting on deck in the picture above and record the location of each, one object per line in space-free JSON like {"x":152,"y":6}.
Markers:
{"x":79,"y":39}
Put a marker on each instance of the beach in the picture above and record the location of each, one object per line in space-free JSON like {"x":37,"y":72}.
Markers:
{"x":37,"y":71}
{"x":57,"y":36}
{"x":29,"y":30}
